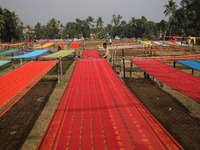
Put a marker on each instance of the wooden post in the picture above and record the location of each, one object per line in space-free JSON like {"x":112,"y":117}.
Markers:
{"x":13,"y":64}
{"x":60,"y":60}
{"x":174,"y":64}
{"x":123,"y":63}
{"x":162,"y":45}
{"x":192,"y":71}
{"x":114,"y":59}
{"x":21,"y":62}
{"x":131,"y":70}
{"x":58,"y":71}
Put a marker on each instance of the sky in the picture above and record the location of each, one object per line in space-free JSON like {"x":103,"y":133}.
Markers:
{"x":31,"y":12}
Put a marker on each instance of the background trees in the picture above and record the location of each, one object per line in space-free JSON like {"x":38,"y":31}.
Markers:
{"x":183,"y":21}
{"x":170,"y":10}
{"x":9,"y":25}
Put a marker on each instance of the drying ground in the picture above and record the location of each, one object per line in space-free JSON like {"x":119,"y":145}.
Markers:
{"x":24,"y":124}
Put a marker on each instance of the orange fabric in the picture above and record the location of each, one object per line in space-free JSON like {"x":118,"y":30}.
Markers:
{"x":75,"y":45}
{"x":16,"y":83}
{"x":61,"y":46}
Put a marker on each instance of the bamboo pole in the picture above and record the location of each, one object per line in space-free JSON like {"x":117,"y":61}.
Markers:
{"x":13,"y":64}
{"x":131,"y":70}
{"x":61,"y":72}
{"x":123,"y":63}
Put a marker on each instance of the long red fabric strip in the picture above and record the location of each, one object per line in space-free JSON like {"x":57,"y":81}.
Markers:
{"x":182,"y":82}
{"x":175,"y":49}
{"x":16,"y":83}
{"x":90,"y":54}
{"x":97,"y":111}
{"x":171,"y":57}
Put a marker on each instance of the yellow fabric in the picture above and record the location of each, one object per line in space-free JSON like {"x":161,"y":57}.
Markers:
{"x":45,"y":46}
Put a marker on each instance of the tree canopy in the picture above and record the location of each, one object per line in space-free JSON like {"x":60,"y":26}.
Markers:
{"x":182,"y":21}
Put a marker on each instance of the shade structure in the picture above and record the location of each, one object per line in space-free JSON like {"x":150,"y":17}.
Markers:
{"x":16,"y":83}
{"x":34,"y":53}
{"x":97,"y":111}
{"x":61,"y":53}
{"x":182,"y":82}
{"x":90,"y":54}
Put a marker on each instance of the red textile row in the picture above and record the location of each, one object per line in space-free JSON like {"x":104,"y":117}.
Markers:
{"x":90,"y":54}
{"x":97,"y":111}
{"x":182,"y":82}
{"x":176,"y":49}
{"x":16,"y":83}
{"x":171,"y":57}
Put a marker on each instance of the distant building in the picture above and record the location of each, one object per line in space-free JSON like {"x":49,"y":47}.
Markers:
{"x":28,"y":34}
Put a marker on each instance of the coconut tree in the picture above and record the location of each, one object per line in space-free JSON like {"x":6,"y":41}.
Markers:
{"x":99,"y":26}
{"x":81,"y":24}
{"x":89,"y":21}
{"x":38,"y":31}
{"x":162,"y":27}
{"x":170,"y":10}
{"x":2,"y":21}
{"x":191,"y":18}
{"x":71,"y":30}
{"x":116,"y":19}
{"x":15,"y":18}
{"x":99,"y":23}
{"x":53,"y":28}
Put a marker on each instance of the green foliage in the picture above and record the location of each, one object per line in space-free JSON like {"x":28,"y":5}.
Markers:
{"x":10,"y":26}
{"x":191,"y":14}
{"x":185,"y":20}
{"x":182,"y":21}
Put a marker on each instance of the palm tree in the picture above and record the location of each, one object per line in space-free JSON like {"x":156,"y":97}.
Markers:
{"x":170,"y":11}
{"x":116,"y":19}
{"x":2,"y":21}
{"x":99,"y":26}
{"x":89,"y":21}
{"x":53,"y":28}
{"x":15,"y":18}
{"x":99,"y":23}
{"x":178,"y":20}
{"x":37,"y":30}
{"x":80,"y":26}
{"x":133,"y":22}
{"x":53,"y":23}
